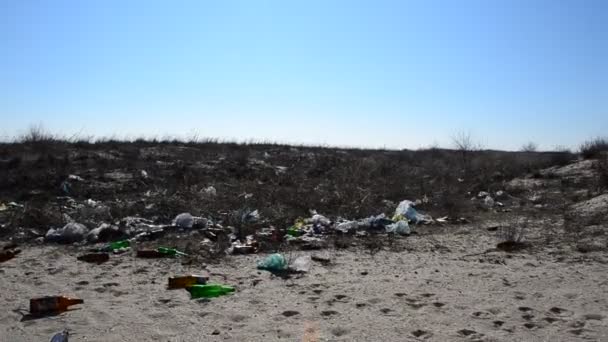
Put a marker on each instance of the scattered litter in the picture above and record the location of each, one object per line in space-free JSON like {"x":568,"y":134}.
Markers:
{"x":405,"y":209}
{"x":187,"y":221}
{"x":160,"y":252}
{"x":251,"y":216}
{"x":347,"y":226}
{"x":209,"y":191}
{"x":94,"y":257}
{"x":61,"y":336}
{"x":274,"y":263}
{"x":116,"y":246}
{"x":15,"y":205}
{"x":249,"y":247}
{"x":170,"y":251}
{"x":52,"y":304}
{"x":301,"y":264}
{"x":483,"y":194}
{"x":182,"y":282}
{"x":105,"y":232}
{"x":8,"y":254}
{"x":91,"y":202}
{"x":400,"y":227}
{"x":3,"y":207}
{"x":209,"y":290}
{"x":488,"y":202}
{"x":70,"y":233}
{"x":144,"y":174}
{"x":184,"y":220}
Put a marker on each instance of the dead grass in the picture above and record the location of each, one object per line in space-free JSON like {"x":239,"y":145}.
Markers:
{"x":282,"y":182}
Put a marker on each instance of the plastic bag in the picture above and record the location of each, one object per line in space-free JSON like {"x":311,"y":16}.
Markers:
{"x":273,"y":262}
{"x":399,"y":227}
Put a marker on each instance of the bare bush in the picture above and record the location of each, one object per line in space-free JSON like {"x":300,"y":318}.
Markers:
{"x":513,"y":237}
{"x":594,"y":148}
{"x":36,"y":134}
{"x":529,"y":147}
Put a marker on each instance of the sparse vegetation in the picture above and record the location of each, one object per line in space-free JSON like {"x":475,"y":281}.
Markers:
{"x":512,"y":237}
{"x":594,"y":148}
{"x":529,"y":147}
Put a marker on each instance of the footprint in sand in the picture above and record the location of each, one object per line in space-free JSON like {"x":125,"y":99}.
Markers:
{"x":524,"y":309}
{"x":416,"y":305}
{"x":560,"y":312}
{"x":498,"y":324}
{"x":290,"y":313}
{"x":550,"y":319}
{"x":328,"y":313}
{"x":421,"y":334}
{"x":527,"y":317}
{"x":339,"y":331}
{"x":438,"y":304}
{"x":466,"y":332}
{"x":481,"y":314}
{"x":530,"y":325}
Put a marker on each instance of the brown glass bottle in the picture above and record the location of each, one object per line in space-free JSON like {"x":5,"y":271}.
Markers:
{"x":52,"y":304}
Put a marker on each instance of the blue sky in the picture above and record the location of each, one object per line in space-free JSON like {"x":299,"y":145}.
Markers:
{"x":397,"y":74}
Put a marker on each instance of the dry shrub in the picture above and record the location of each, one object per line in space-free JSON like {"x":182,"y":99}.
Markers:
{"x":594,"y":148}
{"x":513,"y":237}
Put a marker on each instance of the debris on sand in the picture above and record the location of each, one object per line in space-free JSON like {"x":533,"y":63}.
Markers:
{"x":61,"y":336}
{"x":70,"y":233}
{"x":9,"y":254}
{"x":52,"y":304}
{"x":406,"y":209}
{"x":301,"y":264}
{"x":274,"y":263}
{"x":210,"y":290}
{"x":182,"y":282}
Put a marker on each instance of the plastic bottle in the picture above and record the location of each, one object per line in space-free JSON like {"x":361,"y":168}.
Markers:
{"x":180,"y":282}
{"x":50,"y":304}
{"x":170,"y":251}
{"x":209,"y":290}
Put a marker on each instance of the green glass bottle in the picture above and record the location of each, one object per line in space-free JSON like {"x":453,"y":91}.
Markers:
{"x":116,"y":245}
{"x":170,"y":251}
{"x":120,"y":244}
{"x":210,"y":290}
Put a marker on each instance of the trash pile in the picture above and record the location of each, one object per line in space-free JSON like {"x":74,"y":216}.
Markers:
{"x":306,"y":233}
{"x":8,"y":253}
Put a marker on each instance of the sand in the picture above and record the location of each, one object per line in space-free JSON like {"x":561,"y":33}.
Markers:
{"x":427,"y":290}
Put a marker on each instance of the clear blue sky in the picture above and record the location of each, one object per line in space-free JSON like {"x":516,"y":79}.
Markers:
{"x":363,"y":73}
